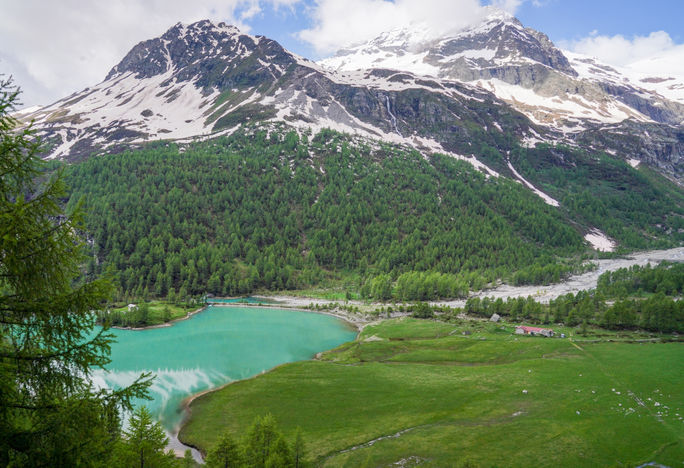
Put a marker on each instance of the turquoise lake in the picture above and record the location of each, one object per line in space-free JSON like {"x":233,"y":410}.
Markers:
{"x":218,"y":345}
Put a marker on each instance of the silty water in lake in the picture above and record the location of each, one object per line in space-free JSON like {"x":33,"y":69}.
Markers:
{"x":216,"y":346}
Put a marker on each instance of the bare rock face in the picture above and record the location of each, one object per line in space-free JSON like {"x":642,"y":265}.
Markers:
{"x":484,"y":89}
{"x":213,"y":55}
{"x":500,"y":48}
{"x":660,"y":146}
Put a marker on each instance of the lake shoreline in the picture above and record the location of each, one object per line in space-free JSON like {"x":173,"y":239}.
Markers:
{"x":185,"y":404}
{"x":348,"y":328}
{"x":355,"y":321}
{"x":273,"y":302}
{"x":573,"y":284}
{"x":170,"y":323}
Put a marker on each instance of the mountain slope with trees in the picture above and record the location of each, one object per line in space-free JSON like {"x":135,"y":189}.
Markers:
{"x":272,"y":208}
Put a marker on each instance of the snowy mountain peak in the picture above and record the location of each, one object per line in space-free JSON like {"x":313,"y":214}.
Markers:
{"x":178,"y":47}
{"x":403,"y":37}
{"x":405,"y":48}
{"x":494,"y":16}
{"x":203,"y":27}
{"x":493,"y":13}
{"x":497,"y":39}
{"x":409,"y":86}
{"x":178,"y":85}
{"x":523,"y":67}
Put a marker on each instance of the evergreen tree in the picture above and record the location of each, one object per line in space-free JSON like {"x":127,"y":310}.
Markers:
{"x":50,"y":414}
{"x":188,"y":461}
{"x":264,"y":445}
{"x":144,"y":443}
{"x":225,"y":454}
{"x":166,"y":313}
{"x":299,"y":450}
{"x":143,"y":313}
{"x":423,"y":310}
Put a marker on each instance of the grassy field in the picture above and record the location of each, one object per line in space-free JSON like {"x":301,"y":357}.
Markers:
{"x":425,"y":393}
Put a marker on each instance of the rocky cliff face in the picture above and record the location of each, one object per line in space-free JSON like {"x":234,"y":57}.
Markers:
{"x":480,"y":90}
{"x":174,"y":86}
{"x":659,"y":146}
{"x":205,"y":79}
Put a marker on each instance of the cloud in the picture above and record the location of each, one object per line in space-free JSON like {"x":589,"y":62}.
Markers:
{"x":337,"y":24}
{"x":53,"y":48}
{"x":510,"y":6}
{"x":656,"y":53}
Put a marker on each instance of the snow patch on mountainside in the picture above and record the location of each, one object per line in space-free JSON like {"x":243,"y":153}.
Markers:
{"x":668,"y":86}
{"x":432,"y":146}
{"x":376,"y":58}
{"x":547,"y":199}
{"x":599,"y":241}
{"x":556,"y":110}
{"x":307,"y":114}
{"x":408,"y":48}
{"x":500,"y":48}
{"x":156,"y":107}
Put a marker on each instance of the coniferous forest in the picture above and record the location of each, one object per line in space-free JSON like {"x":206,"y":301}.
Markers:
{"x":278,"y":210}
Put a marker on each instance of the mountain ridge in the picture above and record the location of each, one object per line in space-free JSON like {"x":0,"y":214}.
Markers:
{"x":205,"y":109}
{"x":205,"y":78}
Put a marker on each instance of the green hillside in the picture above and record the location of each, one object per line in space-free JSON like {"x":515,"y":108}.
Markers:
{"x":272,"y":210}
{"x":426,"y":393}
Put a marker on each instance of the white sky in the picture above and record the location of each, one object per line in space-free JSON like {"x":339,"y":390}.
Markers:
{"x":335,"y":22}
{"x":656,"y":53}
{"x":54,"y":48}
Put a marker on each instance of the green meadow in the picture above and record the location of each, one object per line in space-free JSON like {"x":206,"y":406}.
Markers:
{"x":424,"y":393}
{"x":158,"y":312}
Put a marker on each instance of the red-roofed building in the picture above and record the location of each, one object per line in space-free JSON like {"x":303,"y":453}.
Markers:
{"x":524,"y":330}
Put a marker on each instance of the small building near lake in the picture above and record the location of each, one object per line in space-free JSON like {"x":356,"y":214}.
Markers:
{"x":525,"y":330}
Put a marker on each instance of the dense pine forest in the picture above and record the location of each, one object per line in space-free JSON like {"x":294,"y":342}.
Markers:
{"x":276,"y":210}
{"x":637,"y":207}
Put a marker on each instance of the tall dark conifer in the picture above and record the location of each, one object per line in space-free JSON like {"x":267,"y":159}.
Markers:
{"x":50,"y":413}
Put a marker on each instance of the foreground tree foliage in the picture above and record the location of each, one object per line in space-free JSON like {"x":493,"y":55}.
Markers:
{"x":263,"y":446}
{"x":144,"y":443}
{"x":225,"y":454}
{"x":50,"y":414}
